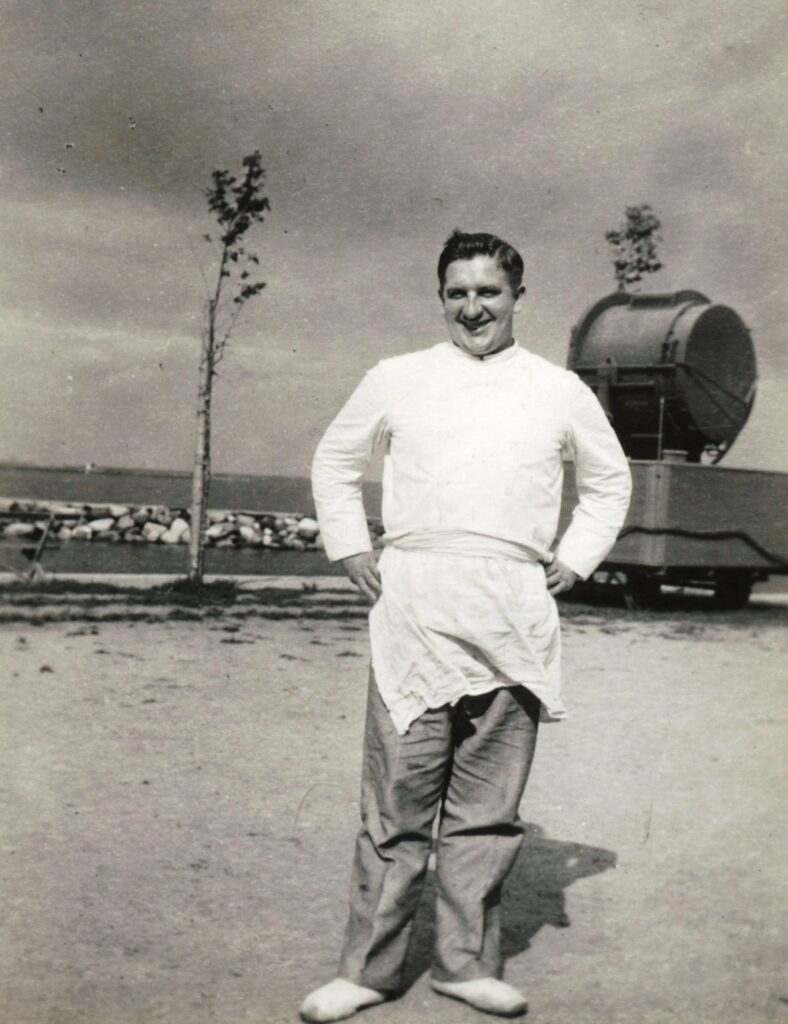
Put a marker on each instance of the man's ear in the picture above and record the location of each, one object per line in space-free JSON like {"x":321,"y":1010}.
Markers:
{"x":519,"y":299}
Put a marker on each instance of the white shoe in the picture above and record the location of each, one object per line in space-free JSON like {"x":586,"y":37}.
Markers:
{"x":486,"y":994}
{"x":337,"y":1000}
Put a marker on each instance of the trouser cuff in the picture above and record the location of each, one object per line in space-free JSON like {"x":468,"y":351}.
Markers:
{"x":470,"y":973}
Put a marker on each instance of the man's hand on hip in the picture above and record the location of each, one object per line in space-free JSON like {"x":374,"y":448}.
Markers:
{"x":560,"y":577}
{"x":363,"y":571}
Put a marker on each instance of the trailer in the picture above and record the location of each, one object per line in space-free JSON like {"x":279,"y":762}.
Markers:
{"x":699,"y":526}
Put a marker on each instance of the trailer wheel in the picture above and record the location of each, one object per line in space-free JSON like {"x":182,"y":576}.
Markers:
{"x":641,"y":591}
{"x":732,"y":589}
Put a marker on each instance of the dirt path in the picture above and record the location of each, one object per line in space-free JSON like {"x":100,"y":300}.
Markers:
{"x":179,"y":801}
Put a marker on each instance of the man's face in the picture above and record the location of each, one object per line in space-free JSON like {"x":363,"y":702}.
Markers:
{"x":479,"y":305}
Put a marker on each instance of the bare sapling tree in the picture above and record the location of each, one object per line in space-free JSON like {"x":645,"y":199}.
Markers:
{"x":634,"y":246}
{"x":237,"y":206}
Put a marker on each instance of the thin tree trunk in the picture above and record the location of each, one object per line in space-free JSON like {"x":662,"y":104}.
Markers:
{"x":201,"y":476}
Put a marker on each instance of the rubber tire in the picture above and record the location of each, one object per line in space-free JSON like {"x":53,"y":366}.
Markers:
{"x":732,"y":589}
{"x":642,"y":591}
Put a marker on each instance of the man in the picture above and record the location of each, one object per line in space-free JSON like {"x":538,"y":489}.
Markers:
{"x":464,"y":629}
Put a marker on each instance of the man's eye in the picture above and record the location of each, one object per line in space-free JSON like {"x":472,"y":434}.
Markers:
{"x":455,"y":295}
{"x":489,"y":292}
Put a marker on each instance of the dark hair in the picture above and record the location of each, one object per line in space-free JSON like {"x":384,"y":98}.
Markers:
{"x":461,"y":245}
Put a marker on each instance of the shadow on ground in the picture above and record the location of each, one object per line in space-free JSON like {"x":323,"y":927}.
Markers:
{"x":534,"y":896}
{"x":53,"y":600}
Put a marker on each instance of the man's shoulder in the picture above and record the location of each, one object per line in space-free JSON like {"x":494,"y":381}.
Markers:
{"x":407,"y":363}
{"x":548,"y":372}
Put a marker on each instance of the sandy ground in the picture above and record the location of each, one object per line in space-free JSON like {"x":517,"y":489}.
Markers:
{"x":179,"y":800}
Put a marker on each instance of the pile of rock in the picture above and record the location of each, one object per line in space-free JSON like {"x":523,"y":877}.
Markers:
{"x":156,"y":524}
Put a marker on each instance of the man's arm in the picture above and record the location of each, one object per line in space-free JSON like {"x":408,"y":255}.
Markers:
{"x":604,"y":485}
{"x":560,"y":577}
{"x":362,"y":569}
{"x":338,"y":468}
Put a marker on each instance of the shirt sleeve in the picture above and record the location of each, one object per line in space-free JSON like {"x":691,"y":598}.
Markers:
{"x":604,"y":484}
{"x":338,"y":468}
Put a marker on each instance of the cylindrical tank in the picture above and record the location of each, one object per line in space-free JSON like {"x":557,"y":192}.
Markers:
{"x":672,"y":371}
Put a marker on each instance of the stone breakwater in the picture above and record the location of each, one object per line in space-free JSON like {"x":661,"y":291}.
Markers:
{"x":157,"y":524}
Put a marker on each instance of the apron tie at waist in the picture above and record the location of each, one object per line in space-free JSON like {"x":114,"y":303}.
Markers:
{"x":464,"y":542}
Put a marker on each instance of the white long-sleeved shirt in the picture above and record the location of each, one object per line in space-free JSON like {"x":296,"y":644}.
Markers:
{"x":473,"y":467}
{"x":474,"y":448}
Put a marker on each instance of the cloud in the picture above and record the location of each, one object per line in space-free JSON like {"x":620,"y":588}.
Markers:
{"x":382,"y":128}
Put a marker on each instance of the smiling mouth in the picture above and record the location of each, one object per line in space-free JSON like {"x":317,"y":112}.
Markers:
{"x":475,"y":326}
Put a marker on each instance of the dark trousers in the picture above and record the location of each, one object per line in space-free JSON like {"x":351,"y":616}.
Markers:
{"x":469,"y":764}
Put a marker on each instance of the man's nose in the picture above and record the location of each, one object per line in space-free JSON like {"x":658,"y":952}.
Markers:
{"x":472,"y":308}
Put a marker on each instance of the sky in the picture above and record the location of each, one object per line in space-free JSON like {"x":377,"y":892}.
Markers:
{"x":382,"y":126}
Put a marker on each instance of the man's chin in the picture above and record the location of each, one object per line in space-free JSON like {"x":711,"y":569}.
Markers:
{"x":475,"y":346}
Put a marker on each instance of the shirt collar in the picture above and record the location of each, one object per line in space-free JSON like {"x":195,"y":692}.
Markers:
{"x":503,"y":356}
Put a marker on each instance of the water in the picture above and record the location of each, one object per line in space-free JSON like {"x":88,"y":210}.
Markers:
{"x":162,"y":487}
